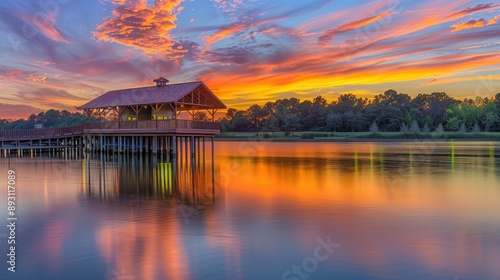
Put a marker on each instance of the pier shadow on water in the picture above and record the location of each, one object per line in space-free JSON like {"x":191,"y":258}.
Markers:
{"x":136,"y":178}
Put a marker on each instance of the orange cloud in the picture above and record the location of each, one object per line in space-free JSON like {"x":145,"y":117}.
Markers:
{"x":494,"y":20}
{"x":225,"y":32}
{"x":474,"y":24}
{"x":144,"y":27}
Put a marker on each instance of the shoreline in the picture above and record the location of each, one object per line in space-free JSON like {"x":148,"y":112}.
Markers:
{"x":358,"y":137}
{"x":350,"y":140}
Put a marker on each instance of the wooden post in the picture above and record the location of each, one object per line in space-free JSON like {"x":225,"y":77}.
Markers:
{"x":155,"y":144}
{"x":192,"y":146}
{"x":174,"y":147}
{"x":168,"y":143}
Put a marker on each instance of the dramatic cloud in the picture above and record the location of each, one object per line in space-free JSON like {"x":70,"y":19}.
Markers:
{"x":145,"y":27}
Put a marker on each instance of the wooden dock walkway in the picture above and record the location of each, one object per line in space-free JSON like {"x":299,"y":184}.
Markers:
{"x":134,"y":136}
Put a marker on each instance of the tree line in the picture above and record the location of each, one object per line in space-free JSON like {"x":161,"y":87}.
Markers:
{"x":49,"y":119}
{"x":390,"y":111}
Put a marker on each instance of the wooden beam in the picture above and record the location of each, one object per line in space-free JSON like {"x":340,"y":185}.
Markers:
{"x":196,"y":104}
{"x":88,"y":112}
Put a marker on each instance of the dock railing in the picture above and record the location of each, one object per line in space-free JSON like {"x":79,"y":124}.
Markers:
{"x":160,"y":126}
{"x":40,"y":133}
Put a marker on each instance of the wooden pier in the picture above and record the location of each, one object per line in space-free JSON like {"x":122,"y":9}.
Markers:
{"x":137,"y":137}
{"x":139,"y":120}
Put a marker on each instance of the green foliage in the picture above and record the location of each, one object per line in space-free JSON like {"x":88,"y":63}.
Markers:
{"x":489,"y":119}
{"x":50,"y":119}
{"x":391,"y":111}
{"x":452,"y":124}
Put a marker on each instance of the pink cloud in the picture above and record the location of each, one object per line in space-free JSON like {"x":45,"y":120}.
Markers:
{"x":142,"y":26}
{"x":46,"y":24}
{"x":329,"y":34}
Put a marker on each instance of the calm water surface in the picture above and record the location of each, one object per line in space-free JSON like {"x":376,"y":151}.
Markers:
{"x":388,"y":211}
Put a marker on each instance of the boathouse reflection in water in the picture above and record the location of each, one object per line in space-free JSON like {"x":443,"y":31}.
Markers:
{"x":116,"y":177}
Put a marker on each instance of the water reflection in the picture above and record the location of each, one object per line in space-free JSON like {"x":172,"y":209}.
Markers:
{"x":124,"y":176}
{"x":153,"y":201}
{"x":398,"y":210}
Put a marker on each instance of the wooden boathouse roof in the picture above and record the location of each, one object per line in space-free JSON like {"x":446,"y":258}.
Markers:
{"x":159,"y":94}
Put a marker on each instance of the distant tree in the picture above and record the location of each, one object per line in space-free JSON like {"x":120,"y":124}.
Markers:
{"x":49,"y":119}
{"x":230,"y":113}
{"x":272,"y":124}
{"x":304,"y":116}
{"x":334,"y":121}
{"x":439,"y":128}
{"x":225,"y":125}
{"x":318,"y":112}
{"x":434,"y":105}
{"x":290,"y":123}
{"x":200,"y":116}
{"x":497,"y":100}
{"x":240,"y":122}
{"x":414,"y":127}
{"x":349,"y":102}
{"x":426,"y":128}
{"x":404,"y":128}
{"x":476,"y":128}
{"x":256,"y":114}
{"x":468,"y":114}
{"x":374,"y":128}
{"x":489,"y":119}
{"x":462,"y":128}
{"x":452,"y":124}
{"x":389,"y":110}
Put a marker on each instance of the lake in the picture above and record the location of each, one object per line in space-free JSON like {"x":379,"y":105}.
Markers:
{"x":263,"y":210}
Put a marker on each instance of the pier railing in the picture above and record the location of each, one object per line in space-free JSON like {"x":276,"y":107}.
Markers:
{"x":40,"y":133}
{"x":160,"y":125}
{"x":141,"y":126}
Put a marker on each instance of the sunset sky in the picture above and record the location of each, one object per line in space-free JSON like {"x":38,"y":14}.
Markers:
{"x":61,"y":53}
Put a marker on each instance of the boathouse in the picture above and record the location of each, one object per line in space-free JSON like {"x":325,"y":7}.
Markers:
{"x":163,"y":117}
{"x":163,"y":101}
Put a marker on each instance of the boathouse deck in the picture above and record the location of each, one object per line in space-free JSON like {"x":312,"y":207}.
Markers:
{"x":105,"y":133}
{"x":147,"y":119}
{"x":164,"y":127}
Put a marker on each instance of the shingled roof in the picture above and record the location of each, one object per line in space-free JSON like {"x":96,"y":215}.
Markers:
{"x":168,"y":93}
